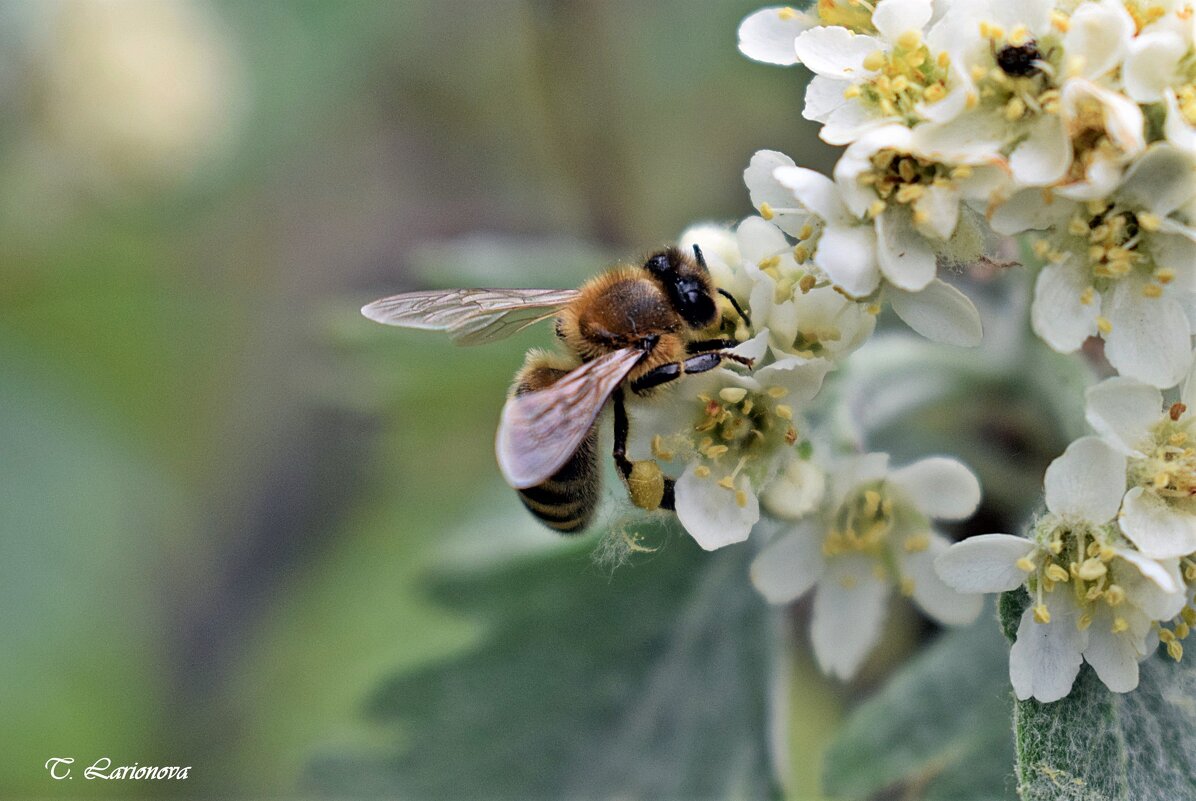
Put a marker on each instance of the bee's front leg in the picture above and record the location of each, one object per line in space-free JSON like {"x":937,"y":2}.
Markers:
{"x":694,"y":364}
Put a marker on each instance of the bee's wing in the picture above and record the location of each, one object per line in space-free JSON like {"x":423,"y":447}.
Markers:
{"x":540,"y":430}
{"x":470,"y":316}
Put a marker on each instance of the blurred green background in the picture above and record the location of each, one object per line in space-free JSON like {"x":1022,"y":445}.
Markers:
{"x":245,"y":530}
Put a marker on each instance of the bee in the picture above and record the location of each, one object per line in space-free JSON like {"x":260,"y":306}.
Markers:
{"x":630,"y":329}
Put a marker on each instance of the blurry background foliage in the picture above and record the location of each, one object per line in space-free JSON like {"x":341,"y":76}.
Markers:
{"x":245,"y":530}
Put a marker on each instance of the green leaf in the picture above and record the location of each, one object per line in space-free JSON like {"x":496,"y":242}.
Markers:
{"x":1097,"y":745}
{"x":652,"y":682}
{"x":939,"y":729}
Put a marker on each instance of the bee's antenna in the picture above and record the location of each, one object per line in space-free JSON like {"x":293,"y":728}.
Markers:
{"x":701,"y":259}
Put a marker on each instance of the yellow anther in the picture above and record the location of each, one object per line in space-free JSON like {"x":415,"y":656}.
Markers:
{"x":1041,"y":248}
{"x":1060,"y":21}
{"x":784,"y":412}
{"x":715,"y":451}
{"x":943,"y":60}
{"x":1025,"y":564}
{"x":658,"y":449}
{"x":1120,"y":624}
{"x":978,"y":72}
{"x":1103,"y":325}
{"x":732,"y":394}
{"x":1161,"y":480}
{"x":702,"y":471}
{"x":1175,"y":650}
{"x":1057,"y":573}
{"x":1152,"y":291}
{"x":1148,"y":221}
{"x":777,"y":392}
{"x":807,"y":283}
{"x":1056,"y":546}
{"x":801,"y":254}
{"x":1042,"y":614}
{"x":1105,"y":553}
{"x":1189,"y":615}
{"x":1019,"y":36}
{"x":873,"y":309}
{"x":1092,"y":569}
{"x":1164,"y":275}
{"x":1015,"y":109}
{"x":806,"y":231}
{"x":741,"y":498}
{"x":921,"y":216}
{"x":766,"y":211}
{"x":916,"y":543}
{"x":971,"y":101}
{"x":1084,"y":621}
{"x":1114,"y":595}
{"x":727,"y":482}
{"x":1087,"y":296}
{"x":1182,"y":630}
{"x":874,"y":60}
{"x":769,"y":262}
{"x":907,"y":586}
{"x":786,"y":13}
{"x":909,"y":40}
{"x":876,"y":209}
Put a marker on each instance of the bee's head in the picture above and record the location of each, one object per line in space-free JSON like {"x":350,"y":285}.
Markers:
{"x":687,"y":283}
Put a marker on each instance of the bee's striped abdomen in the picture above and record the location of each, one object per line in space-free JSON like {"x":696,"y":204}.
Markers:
{"x":566,"y":502}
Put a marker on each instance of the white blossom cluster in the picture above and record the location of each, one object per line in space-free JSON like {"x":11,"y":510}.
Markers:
{"x":747,"y":456}
{"x":1072,"y":124}
{"x":1074,"y":120}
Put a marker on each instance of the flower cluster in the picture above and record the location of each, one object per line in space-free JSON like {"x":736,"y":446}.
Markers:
{"x":1076,"y":120}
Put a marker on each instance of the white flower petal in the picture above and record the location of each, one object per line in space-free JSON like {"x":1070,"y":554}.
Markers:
{"x":1161,"y":180}
{"x":985,"y":563}
{"x":1152,"y":570}
{"x":903,"y":254}
{"x":1151,"y":65}
{"x":1150,"y":340}
{"x":1114,"y":657}
{"x":1058,"y":314}
{"x":848,"y":257}
{"x":1097,"y":35}
{"x":796,"y":491}
{"x":1153,"y":585}
{"x":1087,"y":481}
{"x":814,"y":191}
{"x":1043,"y":157}
{"x":710,"y":513}
{"x":931,"y":593}
{"x":824,"y":96}
{"x":764,"y":188}
{"x":768,"y":34}
{"x":790,"y":564}
{"x":836,"y":52}
{"x":894,"y":17}
{"x":853,"y":471}
{"x":848,"y":123}
{"x":938,"y":487}
{"x":1188,"y":392}
{"x":1176,"y":128}
{"x":849,"y":608}
{"x":940,"y":204}
{"x":1045,"y":659}
{"x":940,"y":312}
{"x":1159,"y":531}
{"x":1122,"y":410}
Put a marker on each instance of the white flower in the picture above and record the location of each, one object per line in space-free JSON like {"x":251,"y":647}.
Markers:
{"x":1159,"y":440}
{"x":730,"y":434}
{"x":1094,"y":598}
{"x":874,"y":532}
{"x":863,"y":81}
{"x":1123,"y":267}
{"x":782,"y":293}
{"x":1160,"y":67}
{"x":844,"y":247}
{"x":768,"y":34}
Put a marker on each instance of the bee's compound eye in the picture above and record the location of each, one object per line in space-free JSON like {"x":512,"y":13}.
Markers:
{"x":658,"y":264}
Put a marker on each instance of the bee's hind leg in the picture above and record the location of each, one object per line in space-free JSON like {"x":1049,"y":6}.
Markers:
{"x":625,"y":466}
